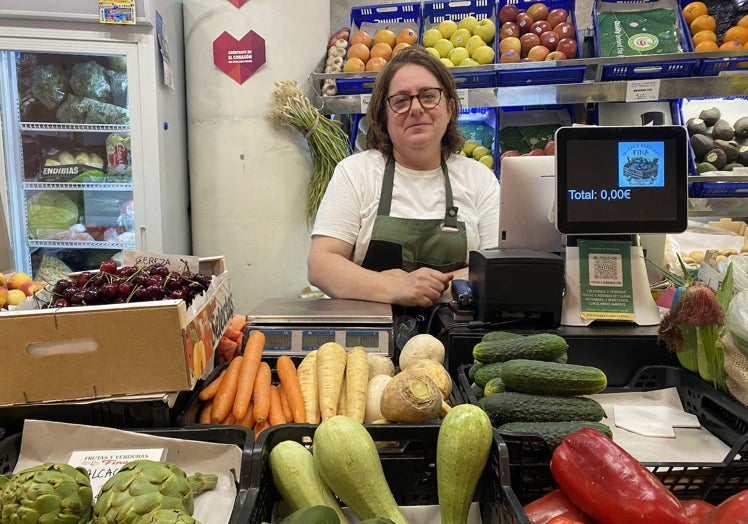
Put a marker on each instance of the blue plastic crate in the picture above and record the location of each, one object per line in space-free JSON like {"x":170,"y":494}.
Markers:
{"x":436,"y":12}
{"x":666,"y":68}
{"x":482,"y":115}
{"x":560,"y":74}
{"x":727,"y":13}
{"x":370,"y":18}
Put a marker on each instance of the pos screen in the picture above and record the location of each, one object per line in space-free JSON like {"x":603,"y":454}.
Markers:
{"x":621,"y":180}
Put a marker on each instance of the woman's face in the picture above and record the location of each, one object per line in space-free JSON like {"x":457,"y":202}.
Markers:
{"x":418,"y":130}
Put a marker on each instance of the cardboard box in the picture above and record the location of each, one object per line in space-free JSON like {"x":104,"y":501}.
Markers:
{"x":90,"y":352}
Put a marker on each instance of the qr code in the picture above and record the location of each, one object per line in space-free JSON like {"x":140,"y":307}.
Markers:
{"x":605,"y":270}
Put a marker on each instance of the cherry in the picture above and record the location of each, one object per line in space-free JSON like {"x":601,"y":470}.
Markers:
{"x":82,"y":278}
{"x":108,"y":266}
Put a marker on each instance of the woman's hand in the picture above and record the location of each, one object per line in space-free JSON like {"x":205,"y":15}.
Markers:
{"x":422,"y":287}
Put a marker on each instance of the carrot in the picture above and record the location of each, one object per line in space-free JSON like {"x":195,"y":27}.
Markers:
{"x":287,"y":413}
{"x":229,"y":420}
{"x":232,"y":334}
{"x":238,"y":322}
{"x":249,"y":419}
{"x":248,"y":372}
{"x":223,"y":400}
{"x":260,"y":427}
{"x":204,"y":417}
{"x":330,"y":373}
{"x":289,"y":378}
{"x":356,"y":383}
{"x":261,"y":392}
{"x":275,"y":414}
{"x":307,"y":373}
{"x":209,"y":391}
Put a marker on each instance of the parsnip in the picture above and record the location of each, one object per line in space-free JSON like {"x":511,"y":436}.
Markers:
{"x":341,"y":408}
{"x":356,"y":383}
{"x":307,"y":372}
{"x":330,"y":372}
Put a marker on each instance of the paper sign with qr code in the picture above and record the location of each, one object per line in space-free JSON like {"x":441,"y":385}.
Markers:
{"x":605,"y":280}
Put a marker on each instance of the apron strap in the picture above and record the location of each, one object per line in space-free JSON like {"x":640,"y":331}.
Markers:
{"x":385,"y":197}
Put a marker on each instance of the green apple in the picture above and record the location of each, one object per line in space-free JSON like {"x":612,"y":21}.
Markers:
{"x":469,"y":146}
{"x":444,"y":46}
{"x":460,"y":37}
{"x":458,"y":54}
{"x":447,"y":27}
{"x":430,"y":37}
{"x":434,"y":52}
{"x":462,"y":153}
{"x":473,"y":43}
{"x":484,"y":55}
{"x":469,"y":23}
{"x":486,"y":29}
{"x":468,"y":62}
{"x":487,"y":160}
{"x":447,"y":62}
{"x":480,"y":151}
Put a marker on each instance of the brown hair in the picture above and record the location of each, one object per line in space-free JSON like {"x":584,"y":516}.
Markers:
{"x":377,"y":136}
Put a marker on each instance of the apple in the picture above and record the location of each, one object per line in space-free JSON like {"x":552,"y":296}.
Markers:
{"x":354,"y":65}
{"x":447,"y":27}
{"x":538,"y":10}
{"x":549,"y":39}
{"x":469,"y":23}
{"x":431,"y":51}
{"x":510,"y":57}
{"x":528,"y":40}
{"x":473,"y":43}
{"x":524,"y":21}
{"x":512,"y":152}
{"x":444,"y":46}
{"x":460,"y":37}
{"x":29,"y":288}
{"x":446,"y":61}
{"x":486,"y":160}
{"x":511,"y":43}
{"x":3,"y":279}
{"x":385,"y":36}
{"x":536,"y":152}
{"x":557,"y":15}
{"x":539,"y":27}
{"x":565,"y":30}
{"x":556,"y":55}
{"x":18,"y":278}
{"x":568,"y":46}
{"x":485,"y":29}
{"x":550,"y":148}
{"x":538,"y":53}
{"x":469,"y":146}
{"x":509,"y":29}
{"x":457,"y":55}
{"x":15,"y":297}
{"x":508,"y":13}
{"x":430,"y":37}
{"x":480,"y":151}
{"x":484,"y":55}
{"x":407,"y":36}
{"x":465,"y":62}
{"x":3,"y":296}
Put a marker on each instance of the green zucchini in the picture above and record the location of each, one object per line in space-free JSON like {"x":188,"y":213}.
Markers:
{"x":487,"y":372}
{"x":312,"y":515}
{"x":297,"y":481}
{"x":552,"y":378}
{"x":476,"y":390}
{"x":347,"y":460}
{"x":554,"y":432}
{"x":541,"y":346}
{"x":500,"y":335}
{"x":495,"y":385}
{"x":462,"y":449}
{"x":512,"y":406}
{"x":472,"y":369}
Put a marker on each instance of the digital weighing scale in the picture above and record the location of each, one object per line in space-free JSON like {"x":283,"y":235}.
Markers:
{"x":295,"y":326}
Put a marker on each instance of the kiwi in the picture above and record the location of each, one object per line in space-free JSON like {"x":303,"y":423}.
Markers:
{"x":701,"y":144}
{"x":730,"y":149}
{"x":696,"y":126}
{"x":716,"y":157}
{"x":741,"y":127}
{"x":731,"y":166}
{"x":710,"y":115}
{"x":723,"y":130}
{"x":704,"y":167}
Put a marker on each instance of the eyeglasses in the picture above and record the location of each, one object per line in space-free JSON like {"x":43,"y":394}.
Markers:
{"x":429,"y":98}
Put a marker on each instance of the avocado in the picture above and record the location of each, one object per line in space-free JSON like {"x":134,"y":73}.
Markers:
{"x":704,"y":167}
{"x":743,"y":155}
{"x":710,"y":115}
{"x":731,"y":166}
{"x":722,"y":130}
{"x":696,"y":126}
{"x":700,"y":145}
{"x":716,"y":157}
{"x":730,"y":149}
{"x":741,"y":127}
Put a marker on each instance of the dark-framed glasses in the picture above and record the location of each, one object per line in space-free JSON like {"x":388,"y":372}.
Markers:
{"x":429,"y":98}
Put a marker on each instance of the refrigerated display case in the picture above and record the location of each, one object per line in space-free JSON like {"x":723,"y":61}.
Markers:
{"x":94,"y":139}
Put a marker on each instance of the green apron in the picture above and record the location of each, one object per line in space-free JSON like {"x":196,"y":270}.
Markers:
{"x":411,"y":243}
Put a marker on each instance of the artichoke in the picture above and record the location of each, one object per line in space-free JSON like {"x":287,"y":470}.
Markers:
{"x":50,"y":493}
{"x":167,"y":516}
{"x":143,"y":486}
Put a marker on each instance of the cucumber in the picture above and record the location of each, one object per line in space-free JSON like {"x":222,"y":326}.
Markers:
{"x":472,"y":369}
{"x":541,"y":346}
{"x":495,"y":385}
{"x":462,"y":449}
{"x":500,"y":335}
{"x":476,"y":390}
{"x":552,"y":378}
{"x":512,"y":406}
{"x":295,"y":478}
{"x":312,"y":515}
{"x":347,"y":460}
{"x":487,"y":372}
{"x":554,"y":432}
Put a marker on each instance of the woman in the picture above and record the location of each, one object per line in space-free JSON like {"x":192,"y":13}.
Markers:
{"x":397,"y":221}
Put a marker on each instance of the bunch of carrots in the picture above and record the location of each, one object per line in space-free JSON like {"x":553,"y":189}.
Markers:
{"x":230,"y":343}
{"x":244,"y":393}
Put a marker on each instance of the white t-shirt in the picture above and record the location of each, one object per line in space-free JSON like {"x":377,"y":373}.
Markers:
{"x":349,"y":207}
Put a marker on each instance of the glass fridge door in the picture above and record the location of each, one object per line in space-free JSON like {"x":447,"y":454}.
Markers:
{"x":66,"y":131}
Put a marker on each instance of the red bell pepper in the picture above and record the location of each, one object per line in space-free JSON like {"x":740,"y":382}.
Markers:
{"x":563,"y":520}
{"x":610,"y":485}
{"x":734,"y":510}
{"x":554,"y":504}
{"x":697,"y":509}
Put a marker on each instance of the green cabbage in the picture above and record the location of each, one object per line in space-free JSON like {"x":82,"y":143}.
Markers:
{"x":50,"y":210}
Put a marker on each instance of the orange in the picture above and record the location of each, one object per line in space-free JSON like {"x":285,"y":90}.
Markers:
{"x":704,"y":36}
{"x":743,"y":21}
{"x":399,"y":47}
{"x":385,"y":36}
{"x":382,"y":49}
{"x":703,"y":22}
{"x":694,"y":10}
{"x":731,"y":46}
{"x":706,"y":45}
{"x":361,"y":37}
{"x":407,"y":36}
{"x":359,"y":51}
{"x":738,"y":32}
{"x":745,"y":46}
{"x":353,"y":65}
{"x":375,"y":63}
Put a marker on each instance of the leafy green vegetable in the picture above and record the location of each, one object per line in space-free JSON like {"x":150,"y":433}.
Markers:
{"x":50,"y":210}
{"x":525,"y":138}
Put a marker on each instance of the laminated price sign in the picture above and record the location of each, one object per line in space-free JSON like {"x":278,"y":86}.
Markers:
{"x":122,"y":12}
{"x":239,"y":58}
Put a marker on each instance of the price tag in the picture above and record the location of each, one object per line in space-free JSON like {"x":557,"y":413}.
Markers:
{"x":365,"y":99}
{"x":121,"y":12}
{"x":462,"y":95}
{"x":642,"y":90}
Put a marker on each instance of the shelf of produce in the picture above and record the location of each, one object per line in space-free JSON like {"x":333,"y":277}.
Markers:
{"x":76,"y":186}
{"x":66,"y":127}
{"x":70,"y":244}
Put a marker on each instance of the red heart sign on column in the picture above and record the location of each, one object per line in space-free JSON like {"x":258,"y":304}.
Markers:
{"x":239,"y":58}
{"x":238,"y":3}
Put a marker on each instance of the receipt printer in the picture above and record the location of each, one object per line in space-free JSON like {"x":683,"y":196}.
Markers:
{"x":517,"y":284}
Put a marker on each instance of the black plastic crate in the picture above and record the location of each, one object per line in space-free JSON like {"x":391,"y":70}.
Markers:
{"x":719,"y":413}
{"x":10,"y":449}
{"x":409,"y":467}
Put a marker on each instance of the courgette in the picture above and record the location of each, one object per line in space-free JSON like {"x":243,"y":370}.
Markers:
{"x":487,"y":372}
{"x":552,"y":378}
{"x":312,"y":515}
{"x":512,"y":406}
{"x":495,"y":385}
{"x":541,"y":346}
{"x":554,"y":432}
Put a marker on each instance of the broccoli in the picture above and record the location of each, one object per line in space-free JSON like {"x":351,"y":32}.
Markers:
{"x":49,"y":85}
{"x":89,"y":80}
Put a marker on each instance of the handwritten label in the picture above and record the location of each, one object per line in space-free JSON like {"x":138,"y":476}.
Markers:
{"x":173,"y":262}
{"x":462,"y":94}
{"x":642,"y":90}
{"x":103,"y":464}
{"x":365,"y":100}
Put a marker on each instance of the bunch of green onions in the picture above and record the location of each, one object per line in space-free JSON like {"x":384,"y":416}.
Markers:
{"x":328,"y":142}
{"x":693,"y":325}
